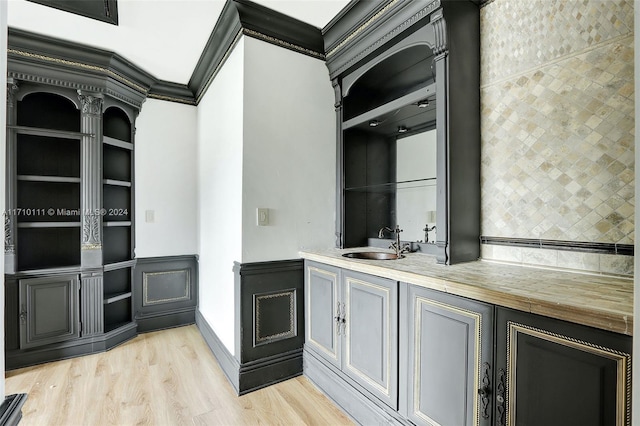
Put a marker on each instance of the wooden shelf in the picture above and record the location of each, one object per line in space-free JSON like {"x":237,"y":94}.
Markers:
{"x":393,"y":186}
{"x":49,"y":179}
{"x":114,"y":182}
{"x":49,"y":224}
{"x":112,"y":327}
{"x":119,"y":265}
{"x":36,"y":131}
{"x":117,"y":143}
{"x":391,"y":107}
{"x":112,"y":298}
{"x":116,"y":223}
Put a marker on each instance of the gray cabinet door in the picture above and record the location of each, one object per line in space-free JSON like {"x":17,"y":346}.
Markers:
{"x":557,"y":373}
{"x":371,"y":334}
{"x":48,"y":310}
{"x":448,"y":359}
{"x":322,"y":309}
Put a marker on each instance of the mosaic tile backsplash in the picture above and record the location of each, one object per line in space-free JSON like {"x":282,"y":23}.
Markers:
{"x":557,"y":96}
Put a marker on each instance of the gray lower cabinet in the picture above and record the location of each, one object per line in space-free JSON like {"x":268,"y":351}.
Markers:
{"x":447,"y":369}
{"x":554,"y":373}
{"x":352,"y":323}
{"x":49,"y":310}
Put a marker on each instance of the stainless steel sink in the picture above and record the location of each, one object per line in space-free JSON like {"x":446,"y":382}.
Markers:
{"x":373,"y":255}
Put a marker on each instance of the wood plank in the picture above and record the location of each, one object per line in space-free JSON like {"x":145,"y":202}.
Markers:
{"x":164,"y":377}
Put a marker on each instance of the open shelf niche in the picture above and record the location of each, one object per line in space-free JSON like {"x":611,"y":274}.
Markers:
{"x":117,"y":214}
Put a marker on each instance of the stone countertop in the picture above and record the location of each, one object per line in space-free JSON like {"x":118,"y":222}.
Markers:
{"x":601,"y":301}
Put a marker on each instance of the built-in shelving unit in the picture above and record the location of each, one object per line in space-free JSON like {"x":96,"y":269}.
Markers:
{"x":406,"y":73}
{"x":46,"y":199}
{"x":117,"y":173}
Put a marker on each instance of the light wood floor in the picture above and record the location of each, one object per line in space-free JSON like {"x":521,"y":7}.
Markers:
{"x":167,"y":377}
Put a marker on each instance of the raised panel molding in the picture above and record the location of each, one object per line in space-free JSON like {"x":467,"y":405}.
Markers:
{"x":267,"y":306}
{"x":166,"y":286}
{"x":165,"y":292}
{"x":269,"y":323}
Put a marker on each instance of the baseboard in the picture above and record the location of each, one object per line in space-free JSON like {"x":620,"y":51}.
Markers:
{"x":11,"y":409}
{"x":229,"y":365}
{"x":266,"y":372}
{"x":84,"y":346}
{"x":360,"y":408}
{"x":164,"y":320}
{"x":253,"y":375}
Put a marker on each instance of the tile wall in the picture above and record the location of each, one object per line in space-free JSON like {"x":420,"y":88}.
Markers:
{"x":557,"y":105}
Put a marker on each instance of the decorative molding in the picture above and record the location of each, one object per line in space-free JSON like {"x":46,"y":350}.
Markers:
{"x":186,"y":285}
{"x":361,"y":28}
{"x":78,"y":65}
{"x":622,"y":359}
{"x":171,"y":299}
{"x":9,"y":246}
{"x":476,"y":318}
{"x":575,"y":246}
{"x":91,"y":305}
{"x":440,"y":32}
{"x":12,"y":90}
{"x":336,"y":67}
{"x":282,"y":43}
{"x":259,"y":299}
{"x":91,"y":232}
{"x":91,"y":104}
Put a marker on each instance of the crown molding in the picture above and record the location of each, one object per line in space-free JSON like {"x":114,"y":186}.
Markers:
{"x":47,"y":60}
{"x":243,"y":17}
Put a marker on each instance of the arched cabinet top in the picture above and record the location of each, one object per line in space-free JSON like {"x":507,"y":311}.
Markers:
{"x":415,"y":48}
{"x":25,"y":90}
{"x":117,"y":124}
{"x":48,"y":110}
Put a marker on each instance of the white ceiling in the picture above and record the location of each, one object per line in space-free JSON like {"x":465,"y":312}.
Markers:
{"x":163,"y":37}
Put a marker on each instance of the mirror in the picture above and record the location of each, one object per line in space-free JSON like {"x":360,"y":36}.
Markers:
{"x":416,"y":186}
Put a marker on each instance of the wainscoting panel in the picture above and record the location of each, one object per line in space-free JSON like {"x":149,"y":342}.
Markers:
{"x":165,"y":292}
{"x":269,"y":321}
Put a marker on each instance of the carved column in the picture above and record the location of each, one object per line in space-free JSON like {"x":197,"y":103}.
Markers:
{"x":92,"y":282}
{"x":91,"y":178}
{"x":10,"y":186}
{"x":337,"y":90}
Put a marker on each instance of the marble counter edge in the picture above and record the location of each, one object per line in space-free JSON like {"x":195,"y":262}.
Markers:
{"x":598,"y":317}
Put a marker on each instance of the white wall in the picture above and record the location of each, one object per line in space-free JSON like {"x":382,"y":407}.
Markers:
{"x":289,"y":153}
{"x":220,"y":148}
{"x":3,"y":115}
{"x":166,"y":179}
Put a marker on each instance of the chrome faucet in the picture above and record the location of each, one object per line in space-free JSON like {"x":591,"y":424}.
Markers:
{"x":383,"y":230}
{"x":426,"y":230}
{"x":396,"y":246}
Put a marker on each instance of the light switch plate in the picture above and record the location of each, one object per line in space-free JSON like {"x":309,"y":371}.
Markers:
{"x":262,"y":216}
{"x":149,"y":216}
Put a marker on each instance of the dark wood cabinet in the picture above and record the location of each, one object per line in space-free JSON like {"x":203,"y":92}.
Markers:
{"x":49,"y":310}
{"x":408,"y":70}
{"x":553,"y":372}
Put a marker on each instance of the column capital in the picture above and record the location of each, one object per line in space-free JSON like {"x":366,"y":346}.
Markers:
{"x":91,"y":102}
{"x":12,"y":90}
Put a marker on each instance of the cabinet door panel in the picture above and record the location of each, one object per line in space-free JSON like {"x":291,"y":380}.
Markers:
{"x":321,"y":299}
{"x":558,"y":373}
{"x":49,"y":310}
{"x":449,"y":341}
{"x":371,"y":342}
